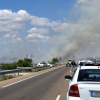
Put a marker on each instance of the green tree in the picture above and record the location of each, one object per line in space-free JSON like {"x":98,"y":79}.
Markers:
{"x":25,"y":63}
{"x":8,"y":66}
{"x":55,"y":60}
{"x":14,"y":65}
{"x":28,"y":60}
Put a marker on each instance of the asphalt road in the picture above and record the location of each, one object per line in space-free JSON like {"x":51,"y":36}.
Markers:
{"x":49,"y":85}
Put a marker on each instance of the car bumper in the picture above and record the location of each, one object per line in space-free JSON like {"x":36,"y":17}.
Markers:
{"x":72,"y":98}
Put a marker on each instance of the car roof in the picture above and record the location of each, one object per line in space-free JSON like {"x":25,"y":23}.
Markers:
{"x":85,"y":61}
{"x":90,"y":67}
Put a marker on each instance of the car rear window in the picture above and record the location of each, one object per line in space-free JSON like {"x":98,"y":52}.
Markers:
{"x":89,"y":75}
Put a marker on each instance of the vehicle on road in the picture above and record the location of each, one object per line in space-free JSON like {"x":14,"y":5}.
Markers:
{"x":82,"y":62}
{"x":50,"y":65}
{"x":68,"y":63}
{"x":84,"y":84}
{"x":42,"y":64}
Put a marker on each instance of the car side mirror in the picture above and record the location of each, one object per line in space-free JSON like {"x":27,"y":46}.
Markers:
{"x":68,"y":77}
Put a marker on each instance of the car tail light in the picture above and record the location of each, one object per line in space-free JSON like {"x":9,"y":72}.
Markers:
{"x":74,"y":91}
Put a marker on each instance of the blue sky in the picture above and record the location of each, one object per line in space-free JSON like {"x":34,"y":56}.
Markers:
{"x":48,"y":29}
{"x":52,"y":9}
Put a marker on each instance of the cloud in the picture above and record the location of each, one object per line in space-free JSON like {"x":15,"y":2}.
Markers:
{"x":8,"y":15}
{"x":38,"y":30}
{"x":36,"y":34}
{"x":40,"y":21}
{"x":7,"y":36}
{"x":82,"y":1}
{"x":12,"y":20}
{"x":12,"y":37}
{"x":36,"y":38}
{"x":16,"y":40}
{"x":43,"y":22}
{"x":39,"y":35}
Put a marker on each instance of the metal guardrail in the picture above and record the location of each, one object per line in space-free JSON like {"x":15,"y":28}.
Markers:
{"x":2,"y":72}
{"x":9,"y":71}
{"x":25,"y":67}
{"x":30,"y":68}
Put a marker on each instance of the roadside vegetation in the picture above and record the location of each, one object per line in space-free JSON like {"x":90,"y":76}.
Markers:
{"x":6,"y":77}
{"x":26,"y":62}
{"x":20,"y":63}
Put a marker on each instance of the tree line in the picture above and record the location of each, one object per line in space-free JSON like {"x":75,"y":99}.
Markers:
{"x":26,"y":62}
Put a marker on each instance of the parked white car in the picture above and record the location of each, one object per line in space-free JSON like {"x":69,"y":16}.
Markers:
{"x":85,"y":83}
{"x":50,"y":65}
{"x":41,"y":64}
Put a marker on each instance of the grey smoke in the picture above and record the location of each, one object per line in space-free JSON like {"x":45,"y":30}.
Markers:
{"x":82,"y":38}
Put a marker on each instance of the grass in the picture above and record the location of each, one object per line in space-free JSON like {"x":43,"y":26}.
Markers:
{"x":5,"y":77}
{"x":39,"y":69}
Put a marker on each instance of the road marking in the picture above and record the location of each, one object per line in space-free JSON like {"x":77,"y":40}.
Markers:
{"x":27,"y":78}
{"x":58,"y":97}
{"x":23,"y":79}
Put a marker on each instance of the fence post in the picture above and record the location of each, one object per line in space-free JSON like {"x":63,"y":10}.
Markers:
{"x":14,"y":74}
{"x":0,"y":70}
{"x":18,"y":73}
{"x":0,"y":77}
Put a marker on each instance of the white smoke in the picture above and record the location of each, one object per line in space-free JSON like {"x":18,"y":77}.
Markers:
{"x":82,"y":38}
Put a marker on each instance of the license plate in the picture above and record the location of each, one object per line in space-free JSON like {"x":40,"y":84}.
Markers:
{"x":95,"y":93}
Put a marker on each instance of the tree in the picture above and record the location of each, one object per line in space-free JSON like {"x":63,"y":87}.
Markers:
{"x":25,"y":63}
{"x":28,"y":60}
{"x":55,"y":60}
{"x":14,"y":65}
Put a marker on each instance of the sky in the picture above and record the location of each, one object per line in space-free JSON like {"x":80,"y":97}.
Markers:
{"x":47,"y":29}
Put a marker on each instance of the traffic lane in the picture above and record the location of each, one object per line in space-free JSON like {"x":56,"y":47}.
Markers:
{"x":35,"y":88}
{"x":36,"y":84}
{"x":59,"y":89}
{"x":64,"y":90}
{"x":24,"y":77}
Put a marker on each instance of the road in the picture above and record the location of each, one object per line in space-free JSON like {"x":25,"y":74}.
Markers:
{"x":50,"y":85}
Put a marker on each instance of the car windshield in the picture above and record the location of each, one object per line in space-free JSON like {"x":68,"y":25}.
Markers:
{"x":89,"y":75}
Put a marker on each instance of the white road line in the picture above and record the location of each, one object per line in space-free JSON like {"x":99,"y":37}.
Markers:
{"x":58,"y":97}
{"x":26,"y":78}
{"x":66,"y":79}
{"x":17,"y":82}
{"x":23,"y":80}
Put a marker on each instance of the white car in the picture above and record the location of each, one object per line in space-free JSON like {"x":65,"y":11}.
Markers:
{"x":50,"y":65}
{"x":85,"y":83}
{"x":82,"y":62}
{"x":41,"y":64}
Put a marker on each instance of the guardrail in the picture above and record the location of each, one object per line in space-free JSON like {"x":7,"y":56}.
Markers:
{"x":25,"y":67}
{"x":2,"y":72}
{"x":31,"y":68}
{"x":35,"y":67}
